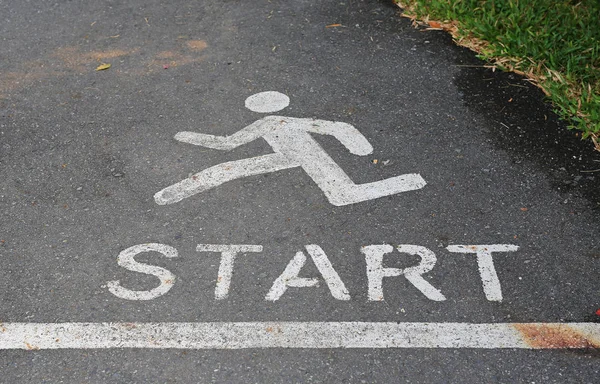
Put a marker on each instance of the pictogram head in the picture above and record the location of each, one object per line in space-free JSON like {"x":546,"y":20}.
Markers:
{"x":266,"y":102}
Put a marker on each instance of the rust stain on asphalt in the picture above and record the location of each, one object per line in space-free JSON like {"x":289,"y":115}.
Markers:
{"x":552,"y":336}
{"x":126,"y":61}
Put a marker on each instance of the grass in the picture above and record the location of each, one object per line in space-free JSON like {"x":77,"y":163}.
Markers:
{"x":555,"y":43}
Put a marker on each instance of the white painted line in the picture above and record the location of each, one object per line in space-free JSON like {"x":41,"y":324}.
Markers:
{"x":34,"y":336}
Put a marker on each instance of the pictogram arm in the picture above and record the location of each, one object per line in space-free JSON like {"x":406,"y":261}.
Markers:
{"x":349,"y":136}
{"x":226,"y":143}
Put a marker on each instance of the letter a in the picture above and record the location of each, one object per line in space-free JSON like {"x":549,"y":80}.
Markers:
{"x":289,"y":277}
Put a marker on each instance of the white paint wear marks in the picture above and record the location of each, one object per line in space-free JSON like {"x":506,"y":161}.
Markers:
{"x":289,"y":277}
{"x":36,"y":336}
{"x":293,"y":146}
{"x":489,"y":277}
{"x":228,"y":253}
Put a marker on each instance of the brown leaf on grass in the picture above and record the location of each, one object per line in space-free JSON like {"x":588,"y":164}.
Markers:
{"x":102,"y":67}
{"x":434,"y":24}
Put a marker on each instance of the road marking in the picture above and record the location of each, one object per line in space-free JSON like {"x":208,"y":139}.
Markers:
{"x":485,"y":263}
{"x":127,"y":261}
{"x":35,"y":336}
{"x":228,"y":254}
{"x":289,"y":277}
{"x":267,"y":102}
{"x":374,"y":257}
{"x":376,"y":272}
{"x":293,"y":146}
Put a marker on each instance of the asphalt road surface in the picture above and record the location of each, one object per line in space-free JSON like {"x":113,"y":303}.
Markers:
{"x":283,"y":191}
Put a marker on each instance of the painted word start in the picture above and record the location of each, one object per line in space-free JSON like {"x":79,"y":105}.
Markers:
{"x":374,"y":255}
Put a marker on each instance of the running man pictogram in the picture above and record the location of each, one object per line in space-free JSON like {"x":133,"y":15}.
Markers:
{"x":293,"y":146}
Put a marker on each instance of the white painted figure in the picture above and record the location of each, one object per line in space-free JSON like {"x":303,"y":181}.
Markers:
{"x":293,"y":146}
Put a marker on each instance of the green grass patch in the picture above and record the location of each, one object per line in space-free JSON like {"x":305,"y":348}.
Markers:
{"x":555,"y":43}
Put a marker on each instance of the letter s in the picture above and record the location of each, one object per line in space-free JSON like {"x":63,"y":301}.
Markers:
{"x":127,"y":261}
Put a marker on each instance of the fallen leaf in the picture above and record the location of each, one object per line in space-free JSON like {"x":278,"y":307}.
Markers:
{"x":375,"y":161}
{"x":434,"y":24}
{"x":102,"y":67}
{"x":524,"y":209}
{"x":197,"y":45}
{"x":598,"y":312}
{"x":333,"y":25}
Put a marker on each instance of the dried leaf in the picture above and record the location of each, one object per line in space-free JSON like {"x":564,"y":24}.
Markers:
{"x":434,"y":24}
{"x":102,"y":67}
{"x":333,"y":25}
{"x":524,"y":209}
